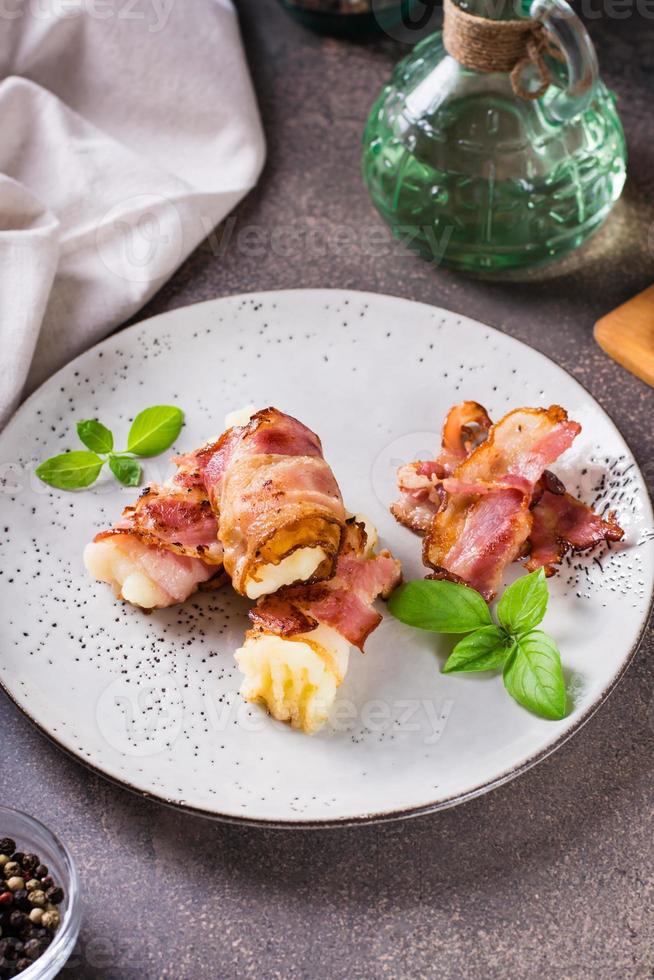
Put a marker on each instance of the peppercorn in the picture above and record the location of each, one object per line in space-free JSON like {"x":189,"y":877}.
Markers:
{"x":20,"y":900}
{"x":51,"y":920}
{"x":29,"y":917}
{"x":55,"y":895}
{"x":6,"y":969}
{"x":29,"y":862}
{"x":17,"y":920}
{"x":11,"y":947}
{"x":34,"y":948}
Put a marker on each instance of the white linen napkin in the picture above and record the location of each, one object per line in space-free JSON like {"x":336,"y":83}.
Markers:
{"x":129,"y":129}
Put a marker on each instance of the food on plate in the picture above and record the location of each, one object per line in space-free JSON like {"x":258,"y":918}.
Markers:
{"x":281,"y":514}
{"x":261,"y":507}
{"x":296,"y":654}
{"x":489,"y":498}
{"x":422,"y":494}
{"x":561,"y":522}
{"x":164,"y":547}
{"x":259,"y":503}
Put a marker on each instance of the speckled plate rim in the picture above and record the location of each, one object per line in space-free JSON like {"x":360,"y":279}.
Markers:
{"x":389,"y":815}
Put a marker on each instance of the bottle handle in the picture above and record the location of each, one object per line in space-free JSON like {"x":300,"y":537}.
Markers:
{"x":560,"y":21}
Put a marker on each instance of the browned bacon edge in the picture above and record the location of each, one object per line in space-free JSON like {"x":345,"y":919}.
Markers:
{"x":559,"y":522}
{"x":274,"y":492}
{"x":344,"y":602}
{"x":174,"y":519}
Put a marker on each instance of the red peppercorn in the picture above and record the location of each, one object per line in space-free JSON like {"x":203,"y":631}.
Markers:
{"x":6,"y":898}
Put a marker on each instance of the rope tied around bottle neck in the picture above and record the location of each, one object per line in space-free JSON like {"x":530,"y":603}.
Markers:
{"x":508,"y":46}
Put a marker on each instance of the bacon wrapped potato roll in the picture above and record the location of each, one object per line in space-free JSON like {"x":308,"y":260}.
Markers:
{"x":260,"y":502}
{"x":163,"y":548}
{"x":296,"y":654}
{"x":281,"y":514}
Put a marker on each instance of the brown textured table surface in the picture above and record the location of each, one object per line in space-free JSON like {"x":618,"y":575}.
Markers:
{"x":550,"y":875}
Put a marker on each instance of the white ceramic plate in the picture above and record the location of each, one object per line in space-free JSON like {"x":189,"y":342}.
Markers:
{"x":151,"y":701}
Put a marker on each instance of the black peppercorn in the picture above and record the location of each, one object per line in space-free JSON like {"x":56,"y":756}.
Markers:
{"x":40,"y":871}
{"x":21,"y":900}
{"x":34,"y":948}
{"x":47,"y":882}
{"x":6,"y":969}
{"x":23,"y":964}
{"x":6,"y":898}
{"x":7,"y":845}
{"x":8,"y":948}
{"x":29,"y":862}
{"x":17,"y":920}
{"x":55,"y":895}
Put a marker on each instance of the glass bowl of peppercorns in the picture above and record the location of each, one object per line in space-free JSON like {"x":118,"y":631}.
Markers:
{"x":39,"y":899}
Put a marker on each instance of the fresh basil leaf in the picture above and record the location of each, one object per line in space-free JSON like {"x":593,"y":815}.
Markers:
{"x":125,"y":469}
{"x":485,"y":649}
{"x":95,"y":436}
{"x":154,"y":430}
{"x":524,"y":603}
{"x":534,"y":677}
{"x":444,"y":607}
{"x":70,"y":471}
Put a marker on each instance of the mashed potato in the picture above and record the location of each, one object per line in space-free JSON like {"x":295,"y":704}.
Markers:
{"x":107,"y":562}
{"x":296,"y":677}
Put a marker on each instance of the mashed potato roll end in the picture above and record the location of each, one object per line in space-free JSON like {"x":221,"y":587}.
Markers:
{"x":294,"y":677}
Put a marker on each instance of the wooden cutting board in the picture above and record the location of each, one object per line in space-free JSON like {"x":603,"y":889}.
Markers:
{"x":627,"y":335}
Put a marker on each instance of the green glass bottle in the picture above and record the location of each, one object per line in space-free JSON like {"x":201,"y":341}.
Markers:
{"x":350,"y":18}
{"x":478,"y":179}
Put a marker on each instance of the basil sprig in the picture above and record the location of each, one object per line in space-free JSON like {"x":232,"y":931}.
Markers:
{"x":529,"y":658}
{"x":152,"y":432}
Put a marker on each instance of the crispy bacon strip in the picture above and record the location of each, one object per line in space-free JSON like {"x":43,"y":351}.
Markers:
{"x":176,"y":576}
{"x":560,"y":523}
{"x":420,"y":483}
{"x":344,"y":602}
{"x":466,"y":427}
{"x":421,"y":495}
{"x":273,"y":491}
{"x":485,"y":524}
{"x":497,"y":503}
{"x":176,"y":519}
{"x":170,"y":534}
